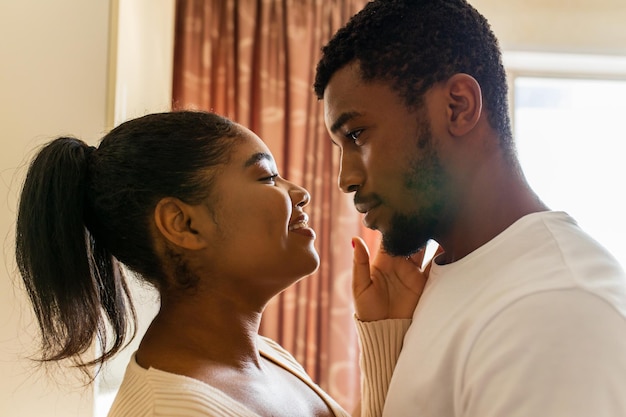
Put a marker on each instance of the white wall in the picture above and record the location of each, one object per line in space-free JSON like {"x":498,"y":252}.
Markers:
{"x":571,"y":26}
{"x":55,"y":78}
{"x":52,"y":82}
{"x":144,"y":58}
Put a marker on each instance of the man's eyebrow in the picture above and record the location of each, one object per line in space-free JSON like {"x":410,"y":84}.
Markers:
{"x":342,"y":119}
{"x":259,"y":156}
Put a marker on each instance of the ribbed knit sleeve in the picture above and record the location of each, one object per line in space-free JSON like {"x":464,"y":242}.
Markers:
{"x":380,"y":343}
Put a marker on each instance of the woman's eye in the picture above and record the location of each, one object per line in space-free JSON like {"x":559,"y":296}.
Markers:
{"x":271,"y":178}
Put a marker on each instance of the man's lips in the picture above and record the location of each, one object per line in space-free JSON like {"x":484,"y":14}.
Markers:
{"x":368,"y":207}
{"x":363,"y":206}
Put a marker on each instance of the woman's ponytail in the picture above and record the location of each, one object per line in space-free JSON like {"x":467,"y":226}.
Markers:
{"x":76,"y":287}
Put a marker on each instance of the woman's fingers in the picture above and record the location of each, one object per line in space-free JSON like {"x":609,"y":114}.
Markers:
{"x":361,"y":278}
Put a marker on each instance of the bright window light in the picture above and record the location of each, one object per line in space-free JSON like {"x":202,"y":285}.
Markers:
{"x":571,"y":144}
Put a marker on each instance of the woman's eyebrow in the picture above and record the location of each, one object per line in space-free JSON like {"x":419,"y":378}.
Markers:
{"x":259,"y":156}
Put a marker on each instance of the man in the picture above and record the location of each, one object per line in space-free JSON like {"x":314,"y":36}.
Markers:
{"x":523,"y":314}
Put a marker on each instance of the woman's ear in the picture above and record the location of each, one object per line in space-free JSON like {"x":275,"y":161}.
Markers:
{"x":175,"y":221}
{"x":465,"y":103}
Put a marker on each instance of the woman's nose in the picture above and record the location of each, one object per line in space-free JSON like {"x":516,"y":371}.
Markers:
{"x":299,"y":195}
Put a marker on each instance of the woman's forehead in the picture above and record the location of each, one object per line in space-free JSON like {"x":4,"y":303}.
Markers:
{"x":250,"y":150}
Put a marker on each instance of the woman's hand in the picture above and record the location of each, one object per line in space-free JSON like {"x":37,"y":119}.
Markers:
{"x":390,"y":287}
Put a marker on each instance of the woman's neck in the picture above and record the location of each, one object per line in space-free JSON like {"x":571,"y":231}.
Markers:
{"x":189,"y":331}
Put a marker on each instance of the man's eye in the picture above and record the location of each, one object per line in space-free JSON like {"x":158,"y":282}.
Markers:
{"x":354,"y":135}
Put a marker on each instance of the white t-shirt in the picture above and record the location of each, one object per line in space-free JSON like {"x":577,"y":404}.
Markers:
{"x":531,"y":324}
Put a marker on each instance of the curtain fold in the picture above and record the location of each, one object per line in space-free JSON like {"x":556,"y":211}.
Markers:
{"x":254,"y":62}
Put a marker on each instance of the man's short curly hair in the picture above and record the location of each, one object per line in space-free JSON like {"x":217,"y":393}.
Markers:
{"x":414,"y":44}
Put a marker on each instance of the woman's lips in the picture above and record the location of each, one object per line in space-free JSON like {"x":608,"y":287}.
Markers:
{"x":301,"y":227}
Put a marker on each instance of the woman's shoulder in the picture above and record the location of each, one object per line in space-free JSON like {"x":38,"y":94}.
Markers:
{"x":150,"y":392}
{"x":273,"y":350}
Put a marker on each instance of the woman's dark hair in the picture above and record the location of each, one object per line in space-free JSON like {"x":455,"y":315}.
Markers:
{"x":84,"y":209}
{"x":414,"y":44}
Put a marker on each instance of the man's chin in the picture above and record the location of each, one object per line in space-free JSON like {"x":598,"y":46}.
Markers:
{"x":393,"y":248}
{"x":405,"y":245}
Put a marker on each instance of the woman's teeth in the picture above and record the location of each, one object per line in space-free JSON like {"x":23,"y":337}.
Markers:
{"x":299,"y":225}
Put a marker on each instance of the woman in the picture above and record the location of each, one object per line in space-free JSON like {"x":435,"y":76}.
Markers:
{"x":193,"y":204}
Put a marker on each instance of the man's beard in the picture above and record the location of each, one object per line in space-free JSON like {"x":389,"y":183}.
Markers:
{"x":425,"y":183}
{"x":407,"y":234}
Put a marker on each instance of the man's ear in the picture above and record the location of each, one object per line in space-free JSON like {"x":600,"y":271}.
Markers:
{"x":465,"y":103}
{"x":175,"y":220}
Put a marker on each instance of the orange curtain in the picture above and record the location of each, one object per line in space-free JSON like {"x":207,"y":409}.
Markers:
{"x":254,"y":62}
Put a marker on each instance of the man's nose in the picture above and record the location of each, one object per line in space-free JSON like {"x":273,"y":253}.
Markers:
{"x":351,"y":173}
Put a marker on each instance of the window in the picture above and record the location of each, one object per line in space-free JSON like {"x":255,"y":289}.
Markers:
{"x":570,"y":143}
